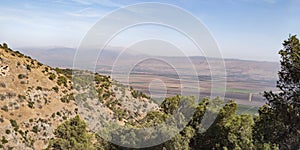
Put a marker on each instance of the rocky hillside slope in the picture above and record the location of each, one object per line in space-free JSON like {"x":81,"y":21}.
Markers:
{"x":35,"y":99}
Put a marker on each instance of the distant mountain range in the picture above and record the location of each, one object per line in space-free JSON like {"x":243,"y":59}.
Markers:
{"x":243,"y":76}
{"x":64,"y":56}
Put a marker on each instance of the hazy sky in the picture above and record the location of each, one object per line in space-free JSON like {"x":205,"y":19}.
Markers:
{"x":244,"y":29}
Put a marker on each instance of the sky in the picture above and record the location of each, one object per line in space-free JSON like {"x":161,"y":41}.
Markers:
{"x":243,"y":29}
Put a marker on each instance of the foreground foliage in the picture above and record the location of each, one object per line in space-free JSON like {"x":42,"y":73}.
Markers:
{"x":279,"y":120}
{"x":276,"y":127}
{"x":72,"y":135}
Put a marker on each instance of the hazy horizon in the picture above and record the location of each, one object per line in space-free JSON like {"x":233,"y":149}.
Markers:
{"x":29,"y":50}
{"x":242,"y":28}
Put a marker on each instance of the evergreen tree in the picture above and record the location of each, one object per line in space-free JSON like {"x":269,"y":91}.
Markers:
{"x":72,"y":135}
{"x":229,"y":131}
{"x":279,"y":120}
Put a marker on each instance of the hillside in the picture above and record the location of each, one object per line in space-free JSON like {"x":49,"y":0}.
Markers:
{"x":36,"y":99}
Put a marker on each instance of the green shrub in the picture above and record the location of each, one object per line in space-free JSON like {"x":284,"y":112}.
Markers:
{"x":14,"y":124}
{"x":138,"y":94}
{"x":28,"y":67}
{"x":4,"y":108}
{"x":35,"y":129}
{"x":46,"y":69}
{"x":135,"y":94}
{"x":67,"y":98}
{"x":58,"y":113}
{"x":106,"y":95}
{"x":120,"y":114}
{"x":67,"y":72}
{"x":19,"y":54}
{"x":5,"y":46}
{"x":99,"y":91}
{"x":21,"y":133}
{"x":40,"y":64}
{"x":4,"y":141}
{"x":62,"y":81}
{"x":7,"y":131}
{"x":39,"y":88}
{"x":30,"y":104}
{"x":55,"y":89}
{"x":101,"y":79}
{"x":105,"y":85}
{"x":21,"y":76}
{"x":52,"y":76}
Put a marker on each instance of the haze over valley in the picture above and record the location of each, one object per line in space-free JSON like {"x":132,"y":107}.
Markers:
{"x":243,"y":76}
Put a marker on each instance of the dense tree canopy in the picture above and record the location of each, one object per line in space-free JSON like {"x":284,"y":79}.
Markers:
{"x":279,"y":120}
{"x":72,"y":135}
